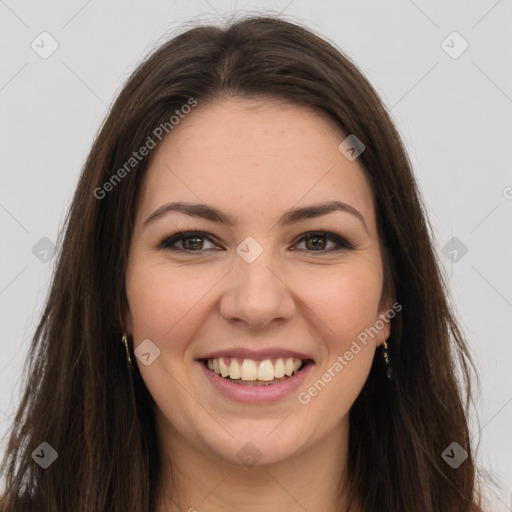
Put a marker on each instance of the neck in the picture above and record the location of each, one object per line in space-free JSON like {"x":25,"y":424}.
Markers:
{"x":198,"y":481}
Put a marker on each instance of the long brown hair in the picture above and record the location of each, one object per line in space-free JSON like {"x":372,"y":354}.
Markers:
{"x":79,"y":396}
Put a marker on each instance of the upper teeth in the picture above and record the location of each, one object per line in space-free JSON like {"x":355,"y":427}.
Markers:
{"x":249,"y":369}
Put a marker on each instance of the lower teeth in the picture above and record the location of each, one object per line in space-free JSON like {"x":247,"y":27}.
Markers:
{"x":256,"y":382}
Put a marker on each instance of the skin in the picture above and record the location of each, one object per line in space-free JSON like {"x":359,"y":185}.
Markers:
{"x":253,"y":159}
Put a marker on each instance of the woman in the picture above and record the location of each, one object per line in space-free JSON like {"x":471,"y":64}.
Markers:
{"x":247,"y":312}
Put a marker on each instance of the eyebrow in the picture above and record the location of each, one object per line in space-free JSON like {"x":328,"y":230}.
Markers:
{"x":292,"y":216}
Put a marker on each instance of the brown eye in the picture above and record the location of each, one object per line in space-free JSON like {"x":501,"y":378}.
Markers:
{"x":191,"y":241}
{"x":317,"y":241}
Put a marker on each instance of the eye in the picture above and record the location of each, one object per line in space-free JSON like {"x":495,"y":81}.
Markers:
{"x":319,"y":245}
{"x":193,"y":241}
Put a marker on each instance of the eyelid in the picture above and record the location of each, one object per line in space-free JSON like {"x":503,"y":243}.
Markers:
{"x":168,"y":241}
{"x":341,"y":241}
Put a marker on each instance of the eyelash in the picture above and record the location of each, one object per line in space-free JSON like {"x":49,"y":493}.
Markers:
{"x":168,"y":242}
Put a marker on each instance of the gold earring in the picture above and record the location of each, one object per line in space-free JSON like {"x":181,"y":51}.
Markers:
{"x":128,"y":358}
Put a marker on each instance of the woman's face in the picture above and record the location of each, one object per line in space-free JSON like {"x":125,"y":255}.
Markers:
{"x":257,"y":290}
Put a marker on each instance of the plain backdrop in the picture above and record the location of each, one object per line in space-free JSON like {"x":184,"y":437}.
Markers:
{"x":451,"y":104}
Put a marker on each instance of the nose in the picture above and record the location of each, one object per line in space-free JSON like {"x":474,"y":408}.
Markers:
{"x":256,"y":294}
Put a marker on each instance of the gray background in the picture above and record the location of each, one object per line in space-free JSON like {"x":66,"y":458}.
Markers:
{"x":453,"y":113}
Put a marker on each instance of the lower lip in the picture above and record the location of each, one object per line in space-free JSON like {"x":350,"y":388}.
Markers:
{"x":257,"y":394}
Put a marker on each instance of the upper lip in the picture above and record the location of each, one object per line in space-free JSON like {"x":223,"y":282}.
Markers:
{"x":245,"y":353}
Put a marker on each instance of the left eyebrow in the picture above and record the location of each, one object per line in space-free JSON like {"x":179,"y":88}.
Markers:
{"x":292,"y":216}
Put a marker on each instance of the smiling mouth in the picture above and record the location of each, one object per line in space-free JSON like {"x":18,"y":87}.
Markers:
{"x":251,"y":372}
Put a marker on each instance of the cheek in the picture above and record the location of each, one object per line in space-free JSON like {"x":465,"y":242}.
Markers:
{"x":342,"y":301}
{"x":163,"y":300}
{"x":345,"y":300}
{"x":345,"y":305}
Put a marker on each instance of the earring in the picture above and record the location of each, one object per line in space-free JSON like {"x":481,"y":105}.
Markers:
{"x":128,"y":358}
{"x":386,"y":357}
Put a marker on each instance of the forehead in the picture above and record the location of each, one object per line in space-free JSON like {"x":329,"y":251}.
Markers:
{"x":253,"y":156}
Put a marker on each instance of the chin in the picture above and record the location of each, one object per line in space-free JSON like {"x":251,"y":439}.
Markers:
{"x":257,"y":446}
